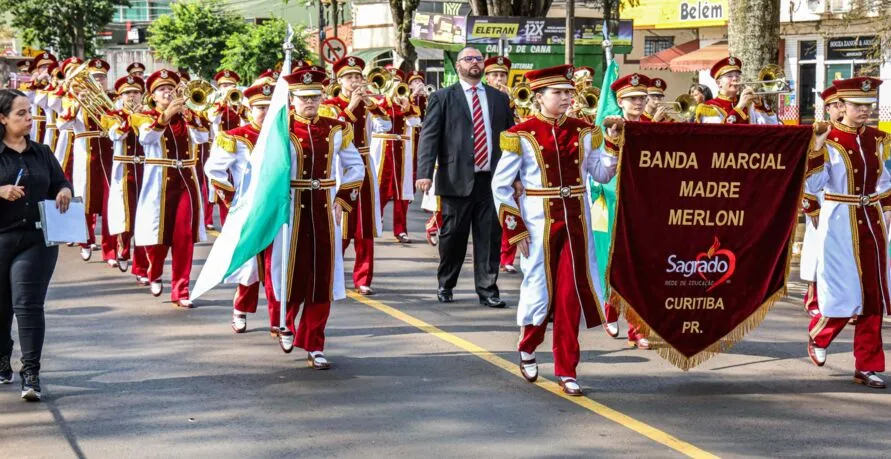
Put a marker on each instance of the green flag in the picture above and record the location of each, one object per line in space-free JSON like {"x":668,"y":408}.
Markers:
{"x":603,"y":196}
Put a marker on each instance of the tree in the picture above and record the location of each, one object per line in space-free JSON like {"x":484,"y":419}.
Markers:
{"x":256,"y":49}
{"x":67,"y":26}
{"x":403,"y":11}
{"x":524,"y":8}
{"x":753,"y":32}
{"x":194,"y":35}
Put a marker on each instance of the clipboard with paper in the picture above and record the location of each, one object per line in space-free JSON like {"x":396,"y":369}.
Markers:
{"x":59,"y":228}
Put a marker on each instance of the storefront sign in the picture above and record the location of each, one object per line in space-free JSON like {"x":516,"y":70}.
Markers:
{"x":539,"y":34}
{"x":851,"y":47}
{"x":437,"y":27}
{"x":678,"y":14}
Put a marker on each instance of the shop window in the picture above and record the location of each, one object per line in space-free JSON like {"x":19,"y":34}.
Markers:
{"x":653,"y":45}
{"x":807,"y":50}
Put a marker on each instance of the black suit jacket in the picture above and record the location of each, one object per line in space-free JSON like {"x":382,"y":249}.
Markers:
{"x":447,"y":138}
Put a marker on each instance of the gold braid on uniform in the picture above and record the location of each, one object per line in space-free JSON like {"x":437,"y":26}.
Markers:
{"x":596,"y":136}
{"x":347,"y":135}
{"x":226,"y":142}
{"x":886,"y":146}
{"x":137,"y":120}
{"x":706,"y":110}
{"x":510,"y":141}
{"x":328,"y":111}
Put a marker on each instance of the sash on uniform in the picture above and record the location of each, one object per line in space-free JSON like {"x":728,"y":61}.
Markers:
{"x":704,"y":229}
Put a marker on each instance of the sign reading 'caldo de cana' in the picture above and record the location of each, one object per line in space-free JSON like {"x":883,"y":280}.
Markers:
{"x":678,"y":14}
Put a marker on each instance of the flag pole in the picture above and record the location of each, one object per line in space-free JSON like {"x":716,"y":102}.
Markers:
{"x":606,"y":43}
{"x":286,"y":233}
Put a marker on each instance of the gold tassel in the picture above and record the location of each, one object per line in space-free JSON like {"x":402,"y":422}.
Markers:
{"x":510,"y":142}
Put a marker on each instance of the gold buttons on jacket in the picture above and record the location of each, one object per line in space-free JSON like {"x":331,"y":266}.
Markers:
{"x":856,"y":171}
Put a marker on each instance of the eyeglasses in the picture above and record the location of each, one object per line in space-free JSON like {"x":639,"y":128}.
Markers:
{"x":309,"y":99}
{"x":472,"y":58}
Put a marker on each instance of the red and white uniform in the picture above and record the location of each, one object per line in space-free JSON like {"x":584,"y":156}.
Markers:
{"x":393,"y":152}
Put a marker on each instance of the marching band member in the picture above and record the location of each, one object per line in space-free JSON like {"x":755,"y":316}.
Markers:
{"x":43,"y":98}
{"x":734,"y":104}
{"x":654,"y":111}
{"x":92,"y":156}
{"x":136,"y":69}
{"x":268,"y":77}
{"x":847,"y":164}
{"x":62,"y":104}
{"x":22,"y":67}
{"x":631,"y":92}
{"x":40,"y":78}
{"x":418,"y":87}
{"x":315,"y":262}
{"x":126,"y":175}
{"x":393,"y":154}
{"x":552,"y":154}
{"x":169,"y":213}
{"x":225,"y":169}
{"x":363,"y":224}
{"x":834,"y":109}
{"x":224,"y":115}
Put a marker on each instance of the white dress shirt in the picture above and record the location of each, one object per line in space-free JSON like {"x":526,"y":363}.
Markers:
{"x":484,"y":104}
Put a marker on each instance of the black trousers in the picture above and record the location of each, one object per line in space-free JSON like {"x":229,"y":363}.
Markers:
{"x":460,"y":216}
{"x":26,"y":266}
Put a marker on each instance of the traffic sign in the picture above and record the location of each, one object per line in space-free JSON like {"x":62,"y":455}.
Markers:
{"x":333,"y":49}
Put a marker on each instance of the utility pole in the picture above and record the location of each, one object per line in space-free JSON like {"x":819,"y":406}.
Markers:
{"x":570,"y":31}
{"x":321,"y":30}
{"x":334,"y":18}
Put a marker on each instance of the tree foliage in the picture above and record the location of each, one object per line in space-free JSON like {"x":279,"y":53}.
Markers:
{"x":256,"y":49}
{"x":524,"y":8}
{"x":195,"y":34}
{"x":403,"y":12}
{"x":67,"y":26}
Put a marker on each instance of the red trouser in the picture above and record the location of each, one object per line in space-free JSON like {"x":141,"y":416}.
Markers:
{"x":868,"y":352}
{"x":247,"y":297}
{"x":567,"y":314}
{"x":810,"y":298}
{"x":183,"y":246}
{"x":508,"y":251}
{"x":309,"y":334}
{"x":140,"y":265}
{"x":400,"y":215}
{"x":363,"y":268}
{"x":612,"y":315}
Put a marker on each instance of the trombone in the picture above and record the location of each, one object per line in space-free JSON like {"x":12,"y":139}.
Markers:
{"x":333,"y":90}
{"x":680,"y":110}
{"x":521,"y":95}
{"x":771,"y":80}
{"x":232,"y":97}
{"x":196,"y":94}
{"x":381,"y":82}
{"x":585,"y":101}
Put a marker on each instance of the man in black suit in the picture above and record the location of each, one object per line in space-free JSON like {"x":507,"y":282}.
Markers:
{"x":461,"y":131}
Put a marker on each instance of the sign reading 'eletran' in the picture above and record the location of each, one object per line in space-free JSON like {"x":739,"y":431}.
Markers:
{"x":703,"y":231}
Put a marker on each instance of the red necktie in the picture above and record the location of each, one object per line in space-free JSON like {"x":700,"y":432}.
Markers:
{"x":480,"y":149}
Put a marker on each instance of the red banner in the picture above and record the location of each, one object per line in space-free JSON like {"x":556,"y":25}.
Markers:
{"x":703,"y":233}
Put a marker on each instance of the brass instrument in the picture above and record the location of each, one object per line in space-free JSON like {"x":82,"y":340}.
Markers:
{"x":585,"y":101}
{"x":771,"y":80}
{"x":522,"y":96}
{"x":381,"y":82}
{"x":196,"y":94}
{"x":232,"y":97}
{"x":92,"y":98}
{"x":430,"y":89}
{"x":582,"y":79}
{"x":682,"y":109}
{"x":333,"y":90}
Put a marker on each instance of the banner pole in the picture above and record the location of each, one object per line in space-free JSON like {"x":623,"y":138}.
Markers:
{"x":286,"y":234}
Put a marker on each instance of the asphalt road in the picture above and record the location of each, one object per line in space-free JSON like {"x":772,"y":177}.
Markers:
{"x":128,"y":375}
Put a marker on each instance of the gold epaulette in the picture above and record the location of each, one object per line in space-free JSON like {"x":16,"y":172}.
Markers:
{"x":347,"y":136}
{"x":510,"y":141}
{"x":886,"y":146}
{"x":226,"y":142}
{"x":137,"y":120}
{"x":108,"y":121}
{"x":596,"y":136}
{"x":706,"y":110}
{"x":327,"y":111}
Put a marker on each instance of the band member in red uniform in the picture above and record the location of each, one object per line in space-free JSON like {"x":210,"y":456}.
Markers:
{"x":734,"y":104}
{"x":355,"y":106}
{"x":169,"y":212}
{"x":64,"y":107}
{"x":846,"y":164}
{"x":126,"y":175}
{"x":40,"y":79}
{"x":552,"y":154}
{"x":315,"y":262}
{"x":654,"y":110}
{"x":136,"y":69}
{"x":418,"y":87}
{"x":225,"y":170}
{"x":393,"y":155}
{"x":224,"y":115}
{"x":631,"y":92}
{"x":93,"y":154}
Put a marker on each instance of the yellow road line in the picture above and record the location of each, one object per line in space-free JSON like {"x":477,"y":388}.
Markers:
{"x":604,"y":411}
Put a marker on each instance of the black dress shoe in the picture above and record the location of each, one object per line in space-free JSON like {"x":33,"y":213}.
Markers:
{"x":444,"y":295}
{"x":493,"y":302}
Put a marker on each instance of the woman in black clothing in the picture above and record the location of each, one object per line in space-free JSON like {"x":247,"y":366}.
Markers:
{"x":29,"y":173}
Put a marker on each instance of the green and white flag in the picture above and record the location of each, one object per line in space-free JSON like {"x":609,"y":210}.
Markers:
{"x":603,"y":196}
{"x":262,"y":208}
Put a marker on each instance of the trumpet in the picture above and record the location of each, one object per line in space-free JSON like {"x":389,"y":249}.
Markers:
{"x":771,"y":80}
{"x":682,"y":109}
{"x":92,"y":98}
{"x":522,"y":96}
{"x":381,"y":82}
{"x":430,"y":88}
{"x":232,"y":97}
{"x":196,"y":94}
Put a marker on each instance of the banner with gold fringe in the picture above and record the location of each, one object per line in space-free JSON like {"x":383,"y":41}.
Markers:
{"x":704,"y":230}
